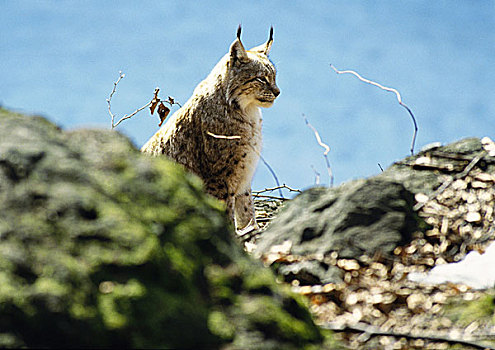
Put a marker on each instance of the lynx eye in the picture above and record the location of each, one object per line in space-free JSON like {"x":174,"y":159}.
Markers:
{"x":263,"y":80}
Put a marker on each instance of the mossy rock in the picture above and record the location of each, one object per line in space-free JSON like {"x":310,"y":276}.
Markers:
{"x":464,"y":312}
{"x":101,"y":246}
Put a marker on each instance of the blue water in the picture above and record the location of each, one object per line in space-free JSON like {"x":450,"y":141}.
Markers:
{"x":60,"y":59}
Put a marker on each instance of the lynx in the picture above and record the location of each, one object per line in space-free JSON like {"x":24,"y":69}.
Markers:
{"x":217,"y":133}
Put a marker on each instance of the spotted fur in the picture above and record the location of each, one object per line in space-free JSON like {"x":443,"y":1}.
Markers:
{"x":217,"y":133}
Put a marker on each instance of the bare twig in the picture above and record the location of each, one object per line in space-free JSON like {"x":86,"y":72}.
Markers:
{"x":324,"y":145}
{"x":269,"y":197}
{"x":109,"y":102}
{"x":284,"y":186}
{"x":380,"y":166}
{"x":171,"y":101}
{"x":126,"y":116}
{"x":109,"y":99}
{"x":449,"y":181}
{"x":271,"y":170}
{"x":397,"y":94}
{"x":317,"y":175}
{"x":377,"y":332}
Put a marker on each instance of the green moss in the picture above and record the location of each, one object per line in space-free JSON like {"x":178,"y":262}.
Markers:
{"x":465,"y":312}
{"x":329,"y":342}
{"x":45,"y":285}
{"x":258,"y":279}
{"x":9,"y":341}
{"x":221,"y":325}
{"x":11,"y":290}
{"x":275,"y":321}
{"x":115,"y":299}
{"x":223,"y":282}
{"x":80,"y":311}
{"x":179,"y":260}
{"x":101,"y":246}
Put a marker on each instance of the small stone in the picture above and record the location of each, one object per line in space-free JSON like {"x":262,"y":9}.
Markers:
{"x":421,"y":198}
{"x":479,"y":184}
{"x":489,"y":146}
{"x":423,"y":161}
{"x":440,"y":261}
{"x":427,"y":248}
{"x":484,"y":177}
{"x":327,"y":288}
{"x":473,"y":217}
{"x":445,"y":225}
{"x":352,"y":299}
{"x":348,"y":264}
{"x":376,"y":313}
{"x":459,"y":185}
{"x":317,"y":289}
{"x":415,"y":300}
{"x":304,"y":290}
{"x":431,"y":146}
{"x":439,"y":298}
{"x":283,"y":248}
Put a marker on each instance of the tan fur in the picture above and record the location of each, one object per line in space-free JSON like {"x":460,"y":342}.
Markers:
{"x":217,"y":133}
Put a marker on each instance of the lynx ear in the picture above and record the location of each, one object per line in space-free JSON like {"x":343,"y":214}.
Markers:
{"x":237,"y":51}
{"x":265,"y":48}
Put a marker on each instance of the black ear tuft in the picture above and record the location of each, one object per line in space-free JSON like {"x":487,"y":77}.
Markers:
{"x":237,"y":51}
{"x":239,"y":32}
{"x":265,"y":48}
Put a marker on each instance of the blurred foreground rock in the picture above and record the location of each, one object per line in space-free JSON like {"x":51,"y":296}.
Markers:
{"x":101,"y":246}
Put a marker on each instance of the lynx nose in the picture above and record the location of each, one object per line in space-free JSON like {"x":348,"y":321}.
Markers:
{"x":275,"y":90}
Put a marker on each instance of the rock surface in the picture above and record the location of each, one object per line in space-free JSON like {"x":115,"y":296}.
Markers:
{"x":371,"y":303}
{"x":426,"y":171}
{"x":364,"y":218}
{"x":101,"y":246}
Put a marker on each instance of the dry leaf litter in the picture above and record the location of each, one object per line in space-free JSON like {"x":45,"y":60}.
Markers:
{"x":376,"y":296}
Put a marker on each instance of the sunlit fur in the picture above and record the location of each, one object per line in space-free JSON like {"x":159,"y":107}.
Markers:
{"x":225,"y":104}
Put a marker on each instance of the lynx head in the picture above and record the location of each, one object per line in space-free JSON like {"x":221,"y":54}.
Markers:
{"x":251,"y":75}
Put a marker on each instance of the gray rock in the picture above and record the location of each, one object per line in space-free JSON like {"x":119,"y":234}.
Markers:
{"x":366,"y":217}
{"x":423,"y":176}
{"x":362,"y":217}
{"x":310,"y":272}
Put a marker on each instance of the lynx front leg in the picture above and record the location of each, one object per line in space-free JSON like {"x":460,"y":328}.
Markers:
{"x":220,"y":190}
{"x":230,"y":203}
{"x":245,"y":220}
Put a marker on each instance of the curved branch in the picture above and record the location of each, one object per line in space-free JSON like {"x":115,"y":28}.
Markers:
{"x":325,"y":146}
{"x":397,"y":94}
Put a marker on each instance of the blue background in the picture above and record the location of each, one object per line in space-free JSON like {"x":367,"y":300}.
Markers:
{"x":60,"y":59}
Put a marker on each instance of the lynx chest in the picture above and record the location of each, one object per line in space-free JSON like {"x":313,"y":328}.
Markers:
{"x":251,"y":148}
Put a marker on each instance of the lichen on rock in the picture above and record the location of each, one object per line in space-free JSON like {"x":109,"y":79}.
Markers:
{"x":101,"y":246}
